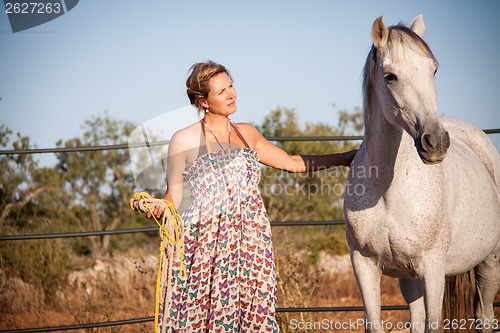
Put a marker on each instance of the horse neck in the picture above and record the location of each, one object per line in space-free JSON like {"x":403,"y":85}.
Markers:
{"x":387,"y":146}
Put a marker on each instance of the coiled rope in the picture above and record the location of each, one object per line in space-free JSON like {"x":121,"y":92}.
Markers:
{"x":171,"y":230}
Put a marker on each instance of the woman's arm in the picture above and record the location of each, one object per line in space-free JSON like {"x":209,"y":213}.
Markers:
{"x":318,"y":162}
{"x":276,"y":157}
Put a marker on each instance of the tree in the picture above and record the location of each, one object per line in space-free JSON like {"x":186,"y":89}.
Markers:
{"x":22,"y":180}
{"x":99,"y":182}
{"x":311,"y":196}
{"x":26,"y":196}
{"x":306,"y":196}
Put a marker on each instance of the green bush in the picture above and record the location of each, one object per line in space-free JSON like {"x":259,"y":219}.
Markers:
{"x":42,"y":263}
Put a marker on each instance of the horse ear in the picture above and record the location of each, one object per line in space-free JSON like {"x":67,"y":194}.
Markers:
{"x":380,"y":33}
{"x":418,"y":25}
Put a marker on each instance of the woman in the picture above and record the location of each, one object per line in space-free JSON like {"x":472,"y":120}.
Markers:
{"x":230,"y":285}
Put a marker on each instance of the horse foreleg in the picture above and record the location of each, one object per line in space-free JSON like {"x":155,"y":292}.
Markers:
{"x":433,"y":282}
{"x":488,"y":281}
{"x":414,"y":297}
{"x":368,"y":276}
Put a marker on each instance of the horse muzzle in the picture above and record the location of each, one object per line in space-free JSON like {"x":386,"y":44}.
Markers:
{"x":432,"y":147}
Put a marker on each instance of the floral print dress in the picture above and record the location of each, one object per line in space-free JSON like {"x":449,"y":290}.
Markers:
{"x":231,"y":282}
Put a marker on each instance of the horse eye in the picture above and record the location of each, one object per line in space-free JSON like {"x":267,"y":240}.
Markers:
{"x":389,"y":77}
{"x":435,"y":71}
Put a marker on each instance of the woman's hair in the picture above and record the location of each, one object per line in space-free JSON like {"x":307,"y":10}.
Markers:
{"x":197,"y":82}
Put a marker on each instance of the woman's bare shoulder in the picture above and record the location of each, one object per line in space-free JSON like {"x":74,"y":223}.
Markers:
{"x":187,"y":137}
{"x":250,"y":133}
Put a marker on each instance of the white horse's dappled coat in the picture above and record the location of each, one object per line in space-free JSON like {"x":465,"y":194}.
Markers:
{"x":430,"y":200}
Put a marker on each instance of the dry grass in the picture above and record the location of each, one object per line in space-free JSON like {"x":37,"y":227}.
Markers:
{"x":120,"y":288}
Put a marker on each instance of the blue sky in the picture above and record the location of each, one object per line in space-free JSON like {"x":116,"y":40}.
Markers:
{"x":131,"y":58}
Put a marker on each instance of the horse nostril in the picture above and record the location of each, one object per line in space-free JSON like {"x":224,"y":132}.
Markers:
{"x":432,"y":143}
{"x":428,"y":141}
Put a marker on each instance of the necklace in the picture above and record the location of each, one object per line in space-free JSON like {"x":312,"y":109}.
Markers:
{"x":215,"y":136}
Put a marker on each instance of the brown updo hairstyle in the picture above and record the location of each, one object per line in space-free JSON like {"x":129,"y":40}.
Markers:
{"x":197,"y":82}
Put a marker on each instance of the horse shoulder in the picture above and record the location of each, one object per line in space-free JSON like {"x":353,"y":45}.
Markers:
{"x":364,"y":217}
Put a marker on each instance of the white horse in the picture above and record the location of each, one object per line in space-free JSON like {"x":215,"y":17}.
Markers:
{"x":423,"y":197}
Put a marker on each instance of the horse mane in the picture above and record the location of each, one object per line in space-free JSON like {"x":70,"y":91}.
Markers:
{"x":398,"y":35}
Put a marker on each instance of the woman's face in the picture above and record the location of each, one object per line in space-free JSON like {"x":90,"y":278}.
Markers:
{"x":222,"y":96}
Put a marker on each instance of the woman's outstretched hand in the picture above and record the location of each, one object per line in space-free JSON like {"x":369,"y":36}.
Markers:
{"x":349,"y":156}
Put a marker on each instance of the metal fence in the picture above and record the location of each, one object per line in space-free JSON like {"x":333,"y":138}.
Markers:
{"x":155,"y":229}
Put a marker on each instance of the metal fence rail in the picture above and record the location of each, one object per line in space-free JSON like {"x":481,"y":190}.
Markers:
{"x":163,"y":143}
{"x":151,"y":319}
{"x":166,"y":142}
{"x":149,"y":229}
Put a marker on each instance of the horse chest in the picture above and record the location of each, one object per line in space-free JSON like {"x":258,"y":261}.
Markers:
{"x":397,"y":235}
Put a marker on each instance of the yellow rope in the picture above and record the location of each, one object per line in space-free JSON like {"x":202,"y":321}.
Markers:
{"x":176,"y":238}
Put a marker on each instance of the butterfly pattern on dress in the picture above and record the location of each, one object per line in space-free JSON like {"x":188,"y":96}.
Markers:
{"x":231,"y":280}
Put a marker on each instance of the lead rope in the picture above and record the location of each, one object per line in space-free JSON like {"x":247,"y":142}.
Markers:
{"x":171,"y":230}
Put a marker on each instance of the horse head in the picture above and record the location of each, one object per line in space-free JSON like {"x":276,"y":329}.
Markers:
{"x":400,"y":72}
